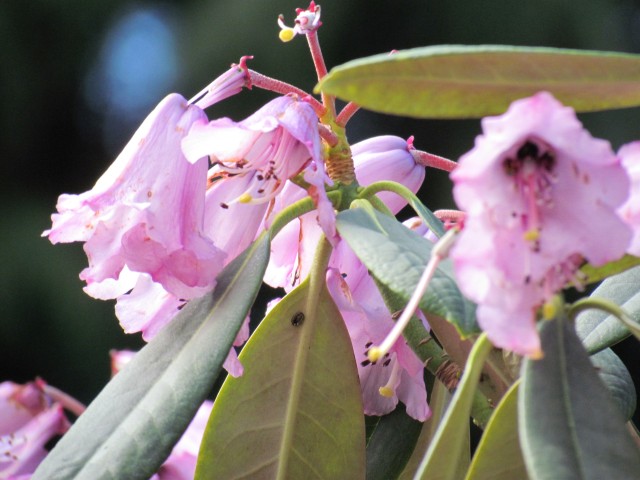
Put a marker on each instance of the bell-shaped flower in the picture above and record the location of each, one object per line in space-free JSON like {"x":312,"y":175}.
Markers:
{"x":630,"y":211}
{"x":540,"y":194}
{"x":399,"y":375}
{"x":375,"y":159}
{"x":146,"y":211}
{"x":28,"y":420}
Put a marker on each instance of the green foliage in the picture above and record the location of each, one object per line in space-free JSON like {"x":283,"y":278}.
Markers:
{"x":447,"y":455}
{"x":397,"y":256}
{"x":297,"y":410}
{"x":458,"y":81}
{"x":498,"y":456}
{"x":599,"y":329}
{"x":569,"y":426}
{"x":131,"y":427}
{"x":391,"y":444}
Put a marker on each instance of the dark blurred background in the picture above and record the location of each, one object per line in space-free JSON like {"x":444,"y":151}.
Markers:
{"x":78,"y":76}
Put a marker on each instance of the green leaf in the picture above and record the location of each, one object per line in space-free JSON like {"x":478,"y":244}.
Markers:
{"x":570,"y":428}
{"x":438,"y":402}
{"x":131,"y":427}
{"x":297,"y":410}
{"x":391,"y":444}
{"x":598,"y":329}
{"x":446,"y":453}
{"x":397,"y":256}
{"x":458,"y":81}
{"x":614,"y":374}
{"x":498,"y":456}
{"x":591,"y":274}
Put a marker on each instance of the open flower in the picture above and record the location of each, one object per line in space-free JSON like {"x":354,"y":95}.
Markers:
{"x":28,"y":420}
{"x":540,"y":194}
{"x":630,"y":211}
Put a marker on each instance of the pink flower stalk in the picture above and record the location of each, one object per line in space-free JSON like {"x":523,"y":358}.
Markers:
{"x":28,"y":420}
{"x":181,"y":463}
{"x":630,"y":211}
{"x":540,"y":194}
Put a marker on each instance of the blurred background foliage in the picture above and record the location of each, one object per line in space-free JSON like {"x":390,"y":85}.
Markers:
{"x":78,"y":76}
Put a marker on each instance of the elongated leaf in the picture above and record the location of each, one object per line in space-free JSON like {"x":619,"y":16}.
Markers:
{"x":131,"y":427}
{"x":595,"y":274}
{"x":498,"y":456}
{"x":391,"y":444}
{"x":448,"y":449}
{"x":614,"y":374}
{"x":297,"y":410}
{"x":458,"y":81}
{"x":396,"y":256}
{"x":438,"y":402}
{"x":570,"y":427}
{"x":599,"y":330}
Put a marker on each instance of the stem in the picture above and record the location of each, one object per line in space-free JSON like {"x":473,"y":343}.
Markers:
{"x":435,"y":161}
{"x":346,"y":113}
{"x":298,"y":209}
{"x":64,"y":399}
{"x":327,"y":135}
{"x":318,"y":61}
{"x":604,"y":305}
{"x":267,"y":83}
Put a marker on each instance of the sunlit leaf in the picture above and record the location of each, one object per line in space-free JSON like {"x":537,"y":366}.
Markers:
{"x":131,"y":427}
{"x":397,"y":256}
{"x":498,"y":456}
{"x":598,"y":329}
{"x":439,"y":400}
{"x":448,"y":451}
{"x":457,"y":81}
{"x":297,"y":410}
{"x":570,"y":428}
{"x":595,"y":274}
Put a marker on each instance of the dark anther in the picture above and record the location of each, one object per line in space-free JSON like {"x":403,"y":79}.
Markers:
{"x":368,"y":344}
{"x":365,"y":363}
{"x":386,"y":362}
{"x":224,"y":205}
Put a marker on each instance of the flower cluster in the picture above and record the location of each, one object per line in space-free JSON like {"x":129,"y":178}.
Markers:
{"x":522,"y":240}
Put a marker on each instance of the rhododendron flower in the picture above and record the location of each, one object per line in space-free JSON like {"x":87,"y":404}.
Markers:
{"x":378,"y":158}
{"x":28,"y":420}
{"x":630,"y":211}
{"x":399,"y":375}
{"x":147,"y":210}
{"x":540,"y":194}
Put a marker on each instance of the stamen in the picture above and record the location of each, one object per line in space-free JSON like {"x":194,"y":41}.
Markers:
{"x":439,"y":252}
{"x":389,"y":389}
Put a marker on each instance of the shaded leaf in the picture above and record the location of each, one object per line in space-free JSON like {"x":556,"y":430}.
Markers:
{"x":391,"y":444}
{"x":570,"y":428}
{"x":297,"y":410}
{"x":131,"y":427}
{"x":498,"y":456}
{"x":616,"y":377}
{"x":459,"y":81}
{"x":397,"y":256}
{"x":598,"y":329}
{"x":447,"y":457}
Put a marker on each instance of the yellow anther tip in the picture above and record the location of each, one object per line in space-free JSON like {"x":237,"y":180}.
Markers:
{"x":537,"y":355}
{"x":374,"y":354}
{"x":286,"y":34}
{"x":549,"y":310}
{"x":531,"y":235}
{"x":245,"y":198}
{"x":386,"y":392}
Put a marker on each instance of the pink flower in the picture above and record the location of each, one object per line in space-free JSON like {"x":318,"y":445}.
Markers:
{"x":630,"y":211}
{"x":146,"y":212}
{"x":375,"y":159}
{"x":28,"y":420}
{"x":540,"y":193}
